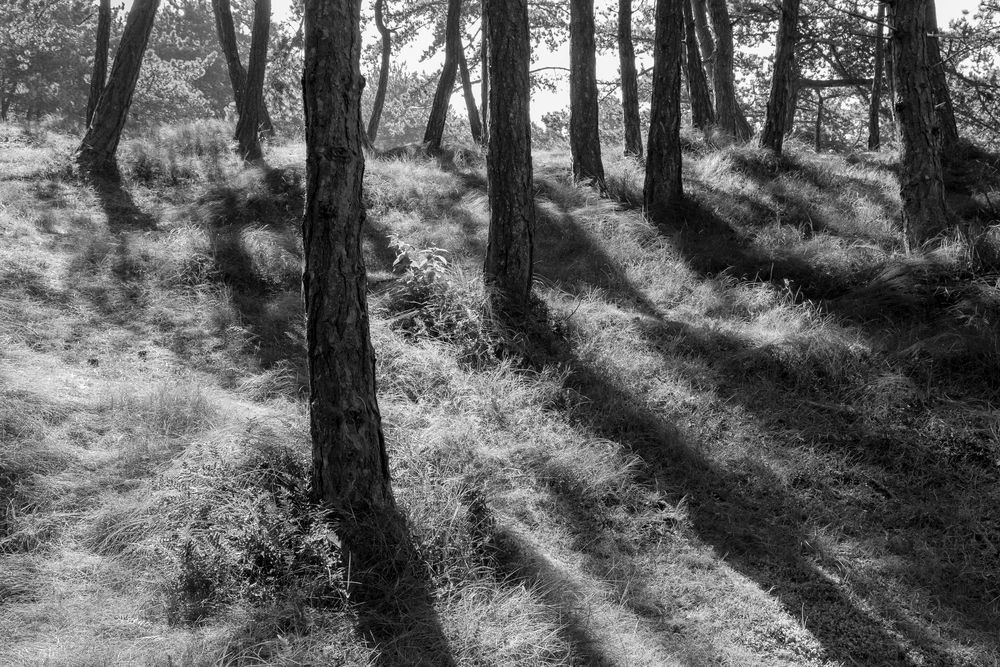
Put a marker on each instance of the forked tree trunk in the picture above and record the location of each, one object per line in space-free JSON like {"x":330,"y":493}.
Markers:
{"x":475,"y":126}
{"x":100,"y":57}
{"x":584,"y":131}
{"x":226,"y":30}
{"x":706,"y":42}
{"x":630,"y":83}
{"x":350,"y":471}
{"x":702,"y":113}
{"x":728,"y":115}
{"x":948,"y":128}
{"x":663,"y":189}
{"x":921,"y":181}
{"x":875,"y":102}
{"x":97,"y":151}
{"x":383,"y":74}
{"x":782,"y":79}
{"x":508,"y":268}
{"x":248,"y":125}
{"x":446,"y":84}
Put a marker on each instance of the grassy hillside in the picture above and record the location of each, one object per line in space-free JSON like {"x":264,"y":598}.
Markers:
{"x":756,"y":434}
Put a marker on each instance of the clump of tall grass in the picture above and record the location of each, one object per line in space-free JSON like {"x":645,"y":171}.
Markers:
{"x":174,"y":154}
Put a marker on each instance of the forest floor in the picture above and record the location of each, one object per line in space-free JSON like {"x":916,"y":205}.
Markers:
{"x":755,"y":434}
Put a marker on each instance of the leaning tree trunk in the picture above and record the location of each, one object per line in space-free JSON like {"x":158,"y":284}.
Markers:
{"x":248,"y":125}
{"x":921,"y":181}
{"x":584,"y":131}
{"x":383,"y":74}
{"x":939,"y":84}
{"x":100,"y":57}
{"x":350,"y":472}
{"x":875,"y":102}
{"x":706,"y":43}
{"x":475,"y":126}
{"x":630,"y":83}
{"x":96,"y":153}
{"x":226,"y":31}
{"x":508,"y":267}
{"x":446,"y":84}
{"x":782,"y":79}
{"x":663,"y":189}
{"x":702,"y":114}
{"x":728,"y":114}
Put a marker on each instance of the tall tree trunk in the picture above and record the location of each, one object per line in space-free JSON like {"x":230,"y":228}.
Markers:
{"x":875,"y":102}
{"x":728,"y":114}
{"x":226,"y":30}
{"x":939,"y":83}
{"x":818,"y":128}
{"x":508,"y":268}
{"x":584,"y":131}
{"x":484,"y":79}
{"x":100,"y":57}
{"x":350,"y":471}
{"x":475,"y":126}
{"x":663,"y":189}
{"x":706,"y":42}
{"x":921,"y":181}
{"x":702,"y":113}
{"x":248,"y":125}
{"x":383,"y":74}
{"x":890,"y":73}
{"x":793,"y":101}
{"x":630,"y":83}
{"x":782,"y":78}
{"x":96,"y":153}
{"x":446,"y":84}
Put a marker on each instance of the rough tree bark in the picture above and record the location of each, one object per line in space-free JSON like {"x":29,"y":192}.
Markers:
{"x":475,"y":126}
{"x":383,"y":74}
{"x":728,"y":115}
{"x":630,"y":83}
{"x":875,"y":102}
{"x":248,"y":125}
{"x":350,"y":472}
{"x":508,"y":267}
{"x":782,"y":78}
{"x":484,"y":79}
{"x":705,"y":40}
{"x":584,"y":132}
{"x":100,"y":57}
{"x":446,"y":84}
{"x":96,"y":153}
{"x":702,"y":113}
{"x":663,"y":189}
{"x":921,"y":181}
{"x":948,"y":128}
{"x":226,"y":30}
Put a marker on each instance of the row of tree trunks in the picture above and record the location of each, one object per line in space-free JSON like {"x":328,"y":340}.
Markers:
{"x":875,"y":101}
{"x":728,"y":115}
{"x":249,"y":122}
{"x":702,"y":113}
{"x":630,"y":83}
{"x":434,"y":133}
{"x":782,"y":79}
{"x":584,"y":128}
{"x":663,"y":188}
{"x":383,"y":77}
{"x":100,"y":57}
{"x":97,"y":151}
{"x":226,"y":30}
{"x":507,"y":271}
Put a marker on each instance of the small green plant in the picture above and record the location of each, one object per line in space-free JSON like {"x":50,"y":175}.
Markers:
{"x":419,"y":269}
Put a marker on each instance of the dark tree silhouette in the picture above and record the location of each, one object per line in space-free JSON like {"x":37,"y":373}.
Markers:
{"x":446,"y":84}
{"x":630,"y":84}
{"x":702,"y":113}
{"x":226,"y":31}
{"x":782,"y":79}
{"x":663,"y":189}
{"x":584,"y":132}
{"x":728,"y":115}
{"x":875,"y":101}
{"x":100,"y":57}
{"x":248,"y":125}
{"x":383,"y":74}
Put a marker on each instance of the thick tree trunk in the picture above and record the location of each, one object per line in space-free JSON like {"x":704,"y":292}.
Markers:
{"x":663,"y":189}
{"x":728,"y":115}
{"x":508,"y":268}
{"x":383,"y":74}
{"x":484,"y":79}
{"x":921,"y":181}
{"x":248,"y":125}
{"x":702,"y":113}
{"x":706,"y":42}
{"x":630,"y":83}
{"x":790,"y":108}
{"x":100,"y":57}
{"x":96,"y":153}
{"x":350,"y":472}
{"x":446,"y":84}
{"x":782,"y":78}
{"x":939,"y":83}
{"x":475,"y":126}
{"x":875,"y":102}
{"x":226,"y":30}
{"x":584,"y":131}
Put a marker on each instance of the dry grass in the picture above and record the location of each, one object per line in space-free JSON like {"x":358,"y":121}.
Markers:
{"x":754,"y":434}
